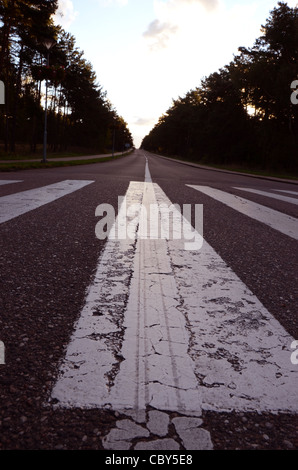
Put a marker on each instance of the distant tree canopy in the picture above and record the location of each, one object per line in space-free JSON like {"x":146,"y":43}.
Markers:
{"x":79,"y":113}
{"x":242,"y":114}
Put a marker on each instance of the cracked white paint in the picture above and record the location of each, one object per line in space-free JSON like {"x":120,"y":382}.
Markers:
{"x":91,"y":353}
{"x":155,"y":368}
{"x":119,"y":438}
{"x":193,"y":335}
{"x":241,"y":352}
{"x":158,"y":423}
{"x":193,"y":437}
{"x":154,"y":434}
{"x":159,"y":444}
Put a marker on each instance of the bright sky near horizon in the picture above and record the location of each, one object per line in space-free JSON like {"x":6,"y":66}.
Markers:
{"x":148,"y":52}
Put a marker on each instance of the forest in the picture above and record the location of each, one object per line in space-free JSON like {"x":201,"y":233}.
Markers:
{"x":246,"y":113}
{"x":35,"y":52}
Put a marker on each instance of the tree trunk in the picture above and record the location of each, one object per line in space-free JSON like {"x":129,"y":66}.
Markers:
{"x":16,"y":100}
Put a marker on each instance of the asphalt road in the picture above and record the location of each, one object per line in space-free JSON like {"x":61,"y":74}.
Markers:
{"x":143,"y":344}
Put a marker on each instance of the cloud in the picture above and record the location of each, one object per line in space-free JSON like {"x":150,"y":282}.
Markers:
{"x":66,"y":14}
{"x":174,"y":16}
{"x":144,"y":121}
{"x":159,"y":33}
{"x":208,"y":4}
{"x":114,"y":2}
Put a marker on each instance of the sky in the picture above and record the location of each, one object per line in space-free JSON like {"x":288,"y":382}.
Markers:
{"x":146,"y":53}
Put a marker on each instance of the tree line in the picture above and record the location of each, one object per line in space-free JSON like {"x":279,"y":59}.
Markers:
{"x":245,"y":113}
{"x":80,"y":116}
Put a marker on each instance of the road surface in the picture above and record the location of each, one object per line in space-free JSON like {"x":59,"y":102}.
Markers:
{"x":152,"y":339}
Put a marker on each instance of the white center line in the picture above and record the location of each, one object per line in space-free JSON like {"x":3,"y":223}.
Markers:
{"x":277,"y":220}
{"x":148,"y":178}
{"x":154,"y":367}
{"x":18,"y":204}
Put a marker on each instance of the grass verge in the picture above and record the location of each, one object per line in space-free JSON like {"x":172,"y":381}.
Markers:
{"x":19,"y":165}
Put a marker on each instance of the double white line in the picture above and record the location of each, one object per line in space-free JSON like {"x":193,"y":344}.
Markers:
{"x":129,"y":348}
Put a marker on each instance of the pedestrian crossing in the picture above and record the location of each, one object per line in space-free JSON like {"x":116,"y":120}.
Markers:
{"x":193,"y":337}
{"x":168,"y":328}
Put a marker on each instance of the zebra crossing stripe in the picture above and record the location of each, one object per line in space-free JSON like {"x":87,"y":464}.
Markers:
{"x":277,"y":220}
{"x":18,"y":204}
{"x":3,"y":182}
{"x":291,"y":200}
{"x":287,"y":192}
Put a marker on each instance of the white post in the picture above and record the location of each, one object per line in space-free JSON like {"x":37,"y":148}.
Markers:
{"x":2,"y":353}
{"x":2,"y":93}
{"x":294,"y":95}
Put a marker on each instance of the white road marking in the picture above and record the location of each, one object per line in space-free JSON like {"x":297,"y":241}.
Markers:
{"x":3,"y":182}
{"x":291,"y":200}
{"x":288,"y":192}
{"x":156,"y":369}
{"x":240,"y":351}
{"x":193,"y":337}
{"x":277,"y":220}
{"x":154,"y":366}
{"x":148,"y":178}
{"x":18,"y":204}
{"x":84,"y":379}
